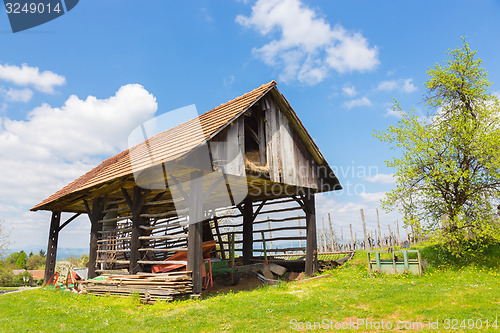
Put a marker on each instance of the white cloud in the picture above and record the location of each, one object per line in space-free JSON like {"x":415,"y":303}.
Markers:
{"x":308,"y":47}
{"x":372,"y":197}
{"x":349,"y":90}
{"x":363,"y":101}
{"x":228,"y":81}
{"x":404,"y":85}
{"x":392,"y":113}
{"x":54,"y":146}
{"x":382,"y":178}
{"x":19,"y":95}
{"x":80,"y":127}
{"x":26,"y":75}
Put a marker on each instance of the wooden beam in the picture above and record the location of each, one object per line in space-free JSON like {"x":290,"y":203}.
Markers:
{"x":248,"y":218}
{"x":257,"y":211}
{"x":95,"y":214}
{"x":69,"y":221}
{"x":50,"y":261}
{"x":219,"y":238}
{"x":136,"y":204}
{"x":195,"y":231}
{"x":262,"y":138}
{"x":311,"y":245}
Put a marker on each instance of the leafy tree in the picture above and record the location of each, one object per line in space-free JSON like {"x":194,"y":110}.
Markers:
{"x":35,"y":262}
{"x":448,"y":170}
{"x":21,"y":260}
{"x":84,"y":259}
{"x":12,"y":258}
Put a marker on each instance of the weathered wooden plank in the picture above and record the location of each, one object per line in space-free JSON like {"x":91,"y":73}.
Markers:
{"x":158,"y":262}
{"x":170,"y":237}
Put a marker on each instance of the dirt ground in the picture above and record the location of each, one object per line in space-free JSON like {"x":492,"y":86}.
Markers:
{"x":247,"y":282}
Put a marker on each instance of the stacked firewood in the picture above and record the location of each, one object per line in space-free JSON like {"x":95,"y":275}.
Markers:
{"x":150,"y":287}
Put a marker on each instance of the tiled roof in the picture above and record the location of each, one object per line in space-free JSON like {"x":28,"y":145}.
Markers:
{"x":170,"y":144}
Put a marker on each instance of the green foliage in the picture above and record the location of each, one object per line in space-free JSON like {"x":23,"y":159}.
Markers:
{"x":448,"y":163}
{"x":21,"y":260}
{"x":35,"y":262}
{"x":6,"y":277}
{"x":84,"y":259}
{"x":484,"y":257}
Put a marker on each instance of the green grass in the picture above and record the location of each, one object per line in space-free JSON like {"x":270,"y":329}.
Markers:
{"x":9,"y":288}
{"x":444,"y":292}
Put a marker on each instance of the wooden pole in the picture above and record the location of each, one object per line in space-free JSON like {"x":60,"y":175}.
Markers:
{"x":397,"y":228}
{"x":323,"y":234}
{"x":300,"y":233}
{"x":367,"y":245}
{"x":312,"y":249}
{"x":270,"y":234}
{"x":352,"y":239}
{"x":379,"y":232}
{"x":342,"y":237}
{"x":50,"y":261}
{"x":331,"y":230}
{"x":219,"y":238}
{"x":195,"y":231}
{"x":247,"y":231}
{"x":95,"y":214}
{"x":136,"y":204}
{"x":390,"y":234}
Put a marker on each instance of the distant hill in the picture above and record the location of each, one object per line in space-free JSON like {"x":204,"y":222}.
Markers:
{"x":62,"y":252}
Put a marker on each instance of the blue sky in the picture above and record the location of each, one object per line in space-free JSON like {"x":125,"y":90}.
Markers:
{"x":72,"y":90}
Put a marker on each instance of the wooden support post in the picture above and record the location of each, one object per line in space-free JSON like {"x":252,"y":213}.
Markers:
{"x":312,"y":245}
{"x":95,"y":214}
{"x":50,"y":261}
{"x":367,"y":245}
{"x":136,"y":204}
{"x":195,"y":232}
{"x":248,"y":218}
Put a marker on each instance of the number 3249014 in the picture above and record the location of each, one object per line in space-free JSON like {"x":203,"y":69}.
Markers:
{"x":32,"y":8}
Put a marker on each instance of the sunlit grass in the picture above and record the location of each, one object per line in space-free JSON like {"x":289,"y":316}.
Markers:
{"x":350,"y":293}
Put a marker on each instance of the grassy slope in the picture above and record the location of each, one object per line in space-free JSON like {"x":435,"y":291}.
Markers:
{"x":453,"y":291}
